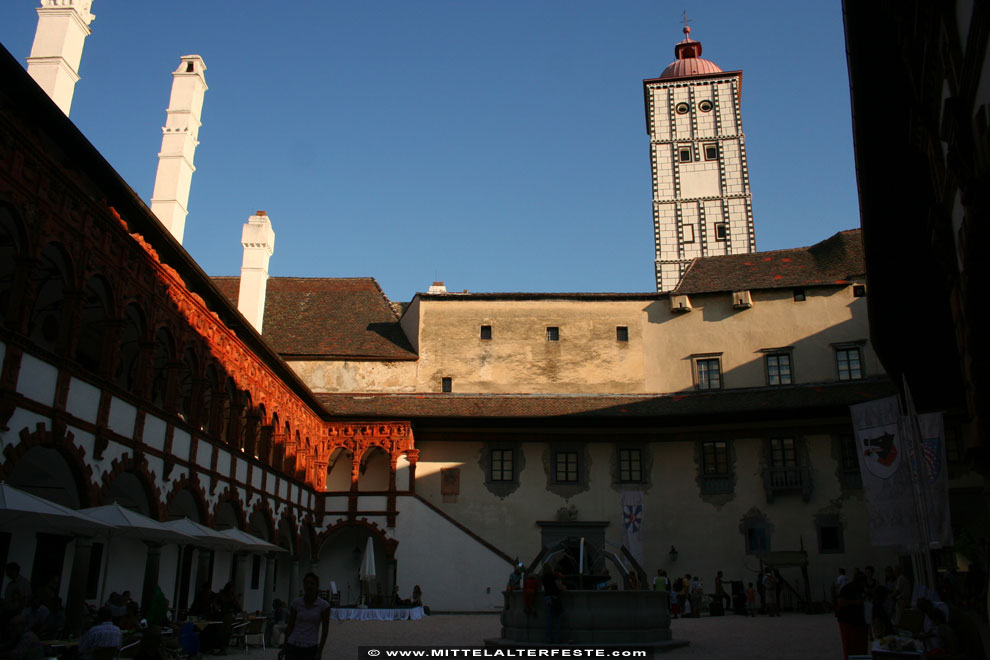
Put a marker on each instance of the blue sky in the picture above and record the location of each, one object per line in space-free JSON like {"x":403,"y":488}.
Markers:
{"x":494,"y":145}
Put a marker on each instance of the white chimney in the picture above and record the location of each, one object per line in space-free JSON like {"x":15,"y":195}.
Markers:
{"x":170,"y":199}
{"x":63,"y":26}
{"x":437,"y":287}
{"x":258,"y":240}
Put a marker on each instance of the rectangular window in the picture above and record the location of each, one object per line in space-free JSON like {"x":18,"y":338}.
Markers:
{"x":565,"y":467}
{"x":446,"y":385}
{"x":255,"y":571}
{"x":859,"y":290}
{"x":711,"y":151}
{"x":782,"y":452}
{"x":715,"y":477}
{"x":486,"y":332}
{"x":757,"y":541}
{"x":848,"y":363}
{"x":851,"y":477}
{"x":720,"y":231}
{"x":621,"y":333}
{"x":553,"y":333}
{"x":688,"y":233}
{"x":502,"y":465}
{"x":830,"y":535}
{"x":714,"y":458}
{"x":630,"y":466}
{"x":778,"y":368}
{"x":709,"y":374}
{"x":684,"y":154}
{"x":799,"y":295}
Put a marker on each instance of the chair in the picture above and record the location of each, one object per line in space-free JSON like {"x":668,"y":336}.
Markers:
{"x":237,"y":633}
{"x":129,"y":649}
{"x":255,"y":633}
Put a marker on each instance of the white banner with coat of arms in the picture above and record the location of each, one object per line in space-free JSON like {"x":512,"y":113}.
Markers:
{"x":632,"y":522}
{"x":905,"y":510}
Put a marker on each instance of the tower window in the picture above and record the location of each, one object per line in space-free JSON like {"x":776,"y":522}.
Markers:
{"x":553,"y":333}
{"x":681,"y":108}
{"x":621,"y":333}
{"x":799,"y":295}
{"x":720,"y":231}
{"x":859,"y":290}
{"x":711,"y":151}
{"x":684,"y":154}
{"x":705,"y":106}
{"x":486,"y":332}
{"x":446,"y":384}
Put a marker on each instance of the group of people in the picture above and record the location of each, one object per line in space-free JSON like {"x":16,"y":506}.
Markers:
{"x":28,"y":616}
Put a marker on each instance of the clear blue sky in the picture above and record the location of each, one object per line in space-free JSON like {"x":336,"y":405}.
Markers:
{"x":495,"y":145}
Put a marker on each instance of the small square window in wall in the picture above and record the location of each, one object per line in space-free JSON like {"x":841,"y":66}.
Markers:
{"x":859,"y":291}
{"x":630,"y":466}
{"x":849,"y":364}
{"x":711,"y":151}
{"x":830,"y":539}
{"x":553,"y":333}
{"x":684,"y":154}
{"x":688,"y":233}
{"x":778,"y":368}
{"x":621,"y":333}
{"x":446,"y":384}
{"x":502,"y":465}
{"x":720,"y":231}
{"x":757,"y":540}
{"x":799,"y":295}
{"x":782,"y":452}
{"x":565,"y":467}
{"x":709,"y":373}
{"x":486,"y":332}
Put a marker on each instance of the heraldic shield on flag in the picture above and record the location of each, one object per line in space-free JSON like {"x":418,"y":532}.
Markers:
{"x":882,"y":450}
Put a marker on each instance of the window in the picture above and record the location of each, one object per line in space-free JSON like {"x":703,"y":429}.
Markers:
{"x":501,"y":465}
{"x":782,"y":452}
{"x":446,"y":385}
{"x":709,"y":373}
{"x":684,"y":154}
{"x":830,"y":539}
{"x":778,"y":368}
{"x":486,"y":332}
{"x":859,"y":290}
{"x":688,"y":233}
{"x":565,"y":467}
{"x":849,"y":462}
{"x":621,"y":333}
{"x":255,"y":571}
{"x":553,"y":333}
{"x":715,"y":476}
{"x":720,"y":231}
{"x":711,"y":151}
{"x":848,"y":363}
{"x":682,"y":108}
{"x":705,"y":106}
{"x":757,"y":541}
{"x":799,"y":295}
{"x":630,"y":465}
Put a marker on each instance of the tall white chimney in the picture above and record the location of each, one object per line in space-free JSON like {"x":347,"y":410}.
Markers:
{"x":258,"y":240}
{"x":63,"y":26}
{"x":170,"y":199}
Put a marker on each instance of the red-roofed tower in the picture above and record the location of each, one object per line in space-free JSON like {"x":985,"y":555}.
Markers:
{"x":702,"y":204}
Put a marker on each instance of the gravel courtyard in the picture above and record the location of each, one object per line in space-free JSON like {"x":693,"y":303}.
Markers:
{"x":789,"y":637}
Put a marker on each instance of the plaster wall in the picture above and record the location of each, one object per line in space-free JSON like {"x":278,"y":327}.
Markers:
{"x":357,"y":375}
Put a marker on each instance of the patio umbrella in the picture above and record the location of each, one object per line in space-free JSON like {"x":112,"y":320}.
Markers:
{"x":21,"y":509}
{"x":204,"y":536}
{"x":131,"y":524}
{"x":251,"y":542}
{"x":367,"y":571}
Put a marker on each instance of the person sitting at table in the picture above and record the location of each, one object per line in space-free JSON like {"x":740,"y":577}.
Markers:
{"x":307,"y":614}
{"x":35,"y":614}
{"x":202,"y":605}
{"x":417,"y":600}
{"x":22,"y":644}
{"x":278,"y":622}
{"x":101,"y":637}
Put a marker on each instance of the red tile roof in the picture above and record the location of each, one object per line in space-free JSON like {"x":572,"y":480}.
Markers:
{"x":836,"y":260}
{"x":800,"y":399}
{"x":328,"y":318}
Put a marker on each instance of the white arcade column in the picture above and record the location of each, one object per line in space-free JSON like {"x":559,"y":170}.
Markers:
{"x":170,"y":200}
{"x":63,"y":26}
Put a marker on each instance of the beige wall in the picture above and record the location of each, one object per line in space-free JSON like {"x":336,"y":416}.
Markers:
{"x":588,"y":358}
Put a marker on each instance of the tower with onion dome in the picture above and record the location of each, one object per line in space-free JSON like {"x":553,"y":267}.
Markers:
{"x":702,"y":204}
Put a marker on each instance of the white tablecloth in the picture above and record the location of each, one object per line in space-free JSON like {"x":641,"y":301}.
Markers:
{"x":373,"y":614}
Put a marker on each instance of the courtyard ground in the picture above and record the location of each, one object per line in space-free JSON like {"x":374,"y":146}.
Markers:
{"x":789,"y":637}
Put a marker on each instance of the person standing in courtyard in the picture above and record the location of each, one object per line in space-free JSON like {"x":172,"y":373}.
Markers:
{"x":553,"y":588}
{"x":304,"y":639}
{"x":720,"y":594}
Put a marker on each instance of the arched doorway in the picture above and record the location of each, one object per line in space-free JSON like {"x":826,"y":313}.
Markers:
{"x":340,"y":562}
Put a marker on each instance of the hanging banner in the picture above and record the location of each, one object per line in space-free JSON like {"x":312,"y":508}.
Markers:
{"x":885,"y":466}
{"x":935,"y":474}
{"x":632,"y":521}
